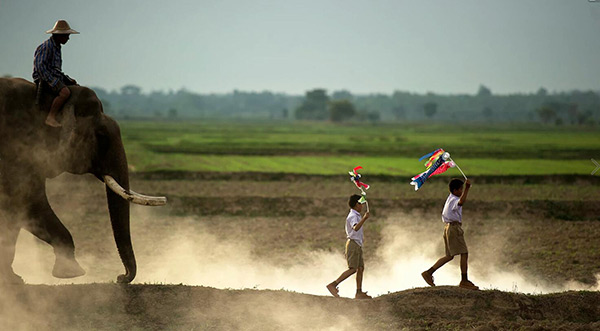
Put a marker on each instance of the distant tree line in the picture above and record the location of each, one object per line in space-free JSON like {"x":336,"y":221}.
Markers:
{"x":130,"y":102}
{"x":574,"y":107}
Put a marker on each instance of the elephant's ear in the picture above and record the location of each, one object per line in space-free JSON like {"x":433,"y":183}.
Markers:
{"x":102,"y":141}
{"x":68,"y":121}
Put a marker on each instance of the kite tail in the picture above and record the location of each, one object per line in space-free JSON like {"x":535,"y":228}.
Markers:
{"x":428,"y":155}
{"x":361,"y":184}
{"x":419,"y":180}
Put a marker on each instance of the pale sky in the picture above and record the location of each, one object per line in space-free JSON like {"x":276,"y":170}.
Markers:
{"x":294,"y":45}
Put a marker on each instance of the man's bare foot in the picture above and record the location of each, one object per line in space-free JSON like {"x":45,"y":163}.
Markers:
{"x":52,"y":122}
{"x":332,"y":287}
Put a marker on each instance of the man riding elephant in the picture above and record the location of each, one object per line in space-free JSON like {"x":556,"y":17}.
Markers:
{"x":47,"y":69}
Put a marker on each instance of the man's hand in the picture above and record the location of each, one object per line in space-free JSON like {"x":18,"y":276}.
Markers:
{"x":468,"y":183}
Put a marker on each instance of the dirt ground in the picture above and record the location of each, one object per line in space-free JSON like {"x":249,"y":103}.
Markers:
{"x":263,"y":232}
{"x":178,"y":307}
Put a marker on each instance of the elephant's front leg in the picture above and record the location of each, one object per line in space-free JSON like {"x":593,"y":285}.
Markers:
{"x":44,"y":224}
{"x":8,"y":239}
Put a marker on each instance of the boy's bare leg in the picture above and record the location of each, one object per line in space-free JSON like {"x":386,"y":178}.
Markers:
{"x":345,"y":275}
{"x":57,"y":104}
{"x":332,"y":287}
{"x":465,"y":282}
{"x":428,"y":274}
{"x":441,"y":262}
{"x":359,"y":278}
{"x":463,"y":262}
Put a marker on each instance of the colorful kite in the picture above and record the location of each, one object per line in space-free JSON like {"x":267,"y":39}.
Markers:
{"x":355,"y":178}
{"x":439,"y":161}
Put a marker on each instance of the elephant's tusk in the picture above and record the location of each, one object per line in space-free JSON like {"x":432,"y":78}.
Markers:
{"x":131,"y":196}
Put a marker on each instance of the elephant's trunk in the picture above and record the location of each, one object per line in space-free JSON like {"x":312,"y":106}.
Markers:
{"x":116,"y":167}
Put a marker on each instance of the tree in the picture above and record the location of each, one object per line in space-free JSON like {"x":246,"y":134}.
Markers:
{"x":585,"y":118}
{"x":487,"y":112}
{"x":314,"y":106}
{"x":342,"y":95}
{"x":131,"y":90}
{"x":484,"y":91}
{"x":373,"y":116}
{"x":341,"y":110}
{"x":106,"y":106}
{"x":399,"y":112}
{"x":430,"y":109}
{"x":172,"y":113}
{"x":546,"y":114}
{"x":542,"y":92}
{"x":573,"y":113}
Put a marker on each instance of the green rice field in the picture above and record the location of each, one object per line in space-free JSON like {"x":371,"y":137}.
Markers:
{"x":324,"y":148}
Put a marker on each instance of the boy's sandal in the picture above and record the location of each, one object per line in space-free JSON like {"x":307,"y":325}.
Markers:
{"x":362,"y":295}
{"x":428,"y":278}
{"x":332,"y":287}
{"x":468,"y":285}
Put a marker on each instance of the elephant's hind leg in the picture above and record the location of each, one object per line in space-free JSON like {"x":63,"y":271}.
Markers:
{"x":44,"y":224}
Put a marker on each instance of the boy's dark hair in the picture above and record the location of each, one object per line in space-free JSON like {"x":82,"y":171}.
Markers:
{"x":455,"y":184}
{"x":353,"y":200}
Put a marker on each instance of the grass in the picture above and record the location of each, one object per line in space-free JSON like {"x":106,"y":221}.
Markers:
{"x":322,"y":148}
{"x":143,"y":160}
{"x":370,"y":140}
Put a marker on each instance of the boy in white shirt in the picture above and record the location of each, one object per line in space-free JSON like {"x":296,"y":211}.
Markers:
{"x":354,"y":254}
{"x":454,"y":240}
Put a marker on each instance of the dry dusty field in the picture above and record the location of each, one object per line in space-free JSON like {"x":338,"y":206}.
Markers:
{"x":254,"y":251}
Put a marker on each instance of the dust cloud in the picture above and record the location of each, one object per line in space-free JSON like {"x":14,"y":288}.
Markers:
{"x":189,"y":254}
{"x":193,"y":256}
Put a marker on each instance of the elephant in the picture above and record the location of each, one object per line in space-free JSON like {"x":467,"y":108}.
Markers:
{"x":89,"y":141}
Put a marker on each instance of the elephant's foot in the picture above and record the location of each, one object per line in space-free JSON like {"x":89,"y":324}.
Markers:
{"x":67,"y":268}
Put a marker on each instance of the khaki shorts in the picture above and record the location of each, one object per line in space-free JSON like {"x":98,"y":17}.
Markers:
{"x":354,"y":255}
{"x":454,"y":239}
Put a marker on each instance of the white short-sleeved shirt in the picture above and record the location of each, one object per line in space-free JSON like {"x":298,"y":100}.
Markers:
{"x":353,"y":219}
{"x":452,"y":211}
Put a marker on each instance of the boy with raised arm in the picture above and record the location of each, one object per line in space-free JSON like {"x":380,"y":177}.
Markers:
{"x":454,"y":240}
{"x":354,"y":253}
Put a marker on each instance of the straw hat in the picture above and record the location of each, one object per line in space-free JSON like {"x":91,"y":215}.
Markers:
{"x":62,"y":27}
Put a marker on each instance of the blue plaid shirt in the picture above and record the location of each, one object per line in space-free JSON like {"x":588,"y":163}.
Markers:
{"x":47,"y":63}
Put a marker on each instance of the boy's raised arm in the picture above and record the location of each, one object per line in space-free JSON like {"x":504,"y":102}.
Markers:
{"x":362,"y":221}
{"x":463,"y":197}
